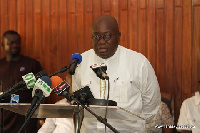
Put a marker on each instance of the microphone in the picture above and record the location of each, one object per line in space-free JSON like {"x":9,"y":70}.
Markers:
{"x":75,"y":59}
{"x":28,"y":81}
{"x":61,"y":88}
{"x":84,"y":95}
{"x":40,"y":91}
{"x":100,"y":71}
{"x":55,"y":80}
{"x":42,"y":87}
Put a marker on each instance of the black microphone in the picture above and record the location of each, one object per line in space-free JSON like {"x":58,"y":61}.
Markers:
{"x":83,"y":95}
{"x":100,"y":71}
{"x":63,"y":90}
{"x":28,"y":82}
{"x":75,"y":59}
{"x":40,"y":91}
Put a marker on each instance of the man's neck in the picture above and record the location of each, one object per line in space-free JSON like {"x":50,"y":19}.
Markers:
{"x":12,"y":58}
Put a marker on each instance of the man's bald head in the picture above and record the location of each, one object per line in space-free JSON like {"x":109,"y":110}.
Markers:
{"x":110,"y":22}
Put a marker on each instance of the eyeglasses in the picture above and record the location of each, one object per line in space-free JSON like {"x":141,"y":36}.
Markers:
{"x":106,"y":37}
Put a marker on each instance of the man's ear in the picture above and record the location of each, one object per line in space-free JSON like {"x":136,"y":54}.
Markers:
{"x":2,"y":44}
{"x":119,"y":35}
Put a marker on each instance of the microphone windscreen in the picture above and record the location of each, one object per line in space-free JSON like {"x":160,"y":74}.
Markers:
{"x":56,"y":80}
{"x":77,"y":56}
{"x":47,"y":80}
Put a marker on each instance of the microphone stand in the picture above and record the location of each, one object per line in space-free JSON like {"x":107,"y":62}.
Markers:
{"x":78,"y":118}
{"x":99,"y":118}
{"x":20,"y":88}
{"x":28,"y":116}
{"x":2,"y":121}
{"x":60,"y":71}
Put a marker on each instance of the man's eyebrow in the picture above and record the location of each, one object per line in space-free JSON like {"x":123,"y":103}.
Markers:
{"x":103,"y":32}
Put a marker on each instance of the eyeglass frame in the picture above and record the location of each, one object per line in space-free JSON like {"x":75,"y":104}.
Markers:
{"x":103,"y":36}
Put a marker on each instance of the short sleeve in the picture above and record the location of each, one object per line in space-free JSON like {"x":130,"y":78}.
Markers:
{"x":182,"y":120}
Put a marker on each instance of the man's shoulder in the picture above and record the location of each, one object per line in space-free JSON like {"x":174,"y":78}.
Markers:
{"x":26,"y":57}
{"x":29,"y":59}
{"x":189,"y":101}
{"x":131,"y":53}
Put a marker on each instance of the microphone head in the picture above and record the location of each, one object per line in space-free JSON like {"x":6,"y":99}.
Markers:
{"x":83,"y":95}
{"x":55,"y":81}
{"x":61,"y":88}
{"x":42,"y":84}
{"x":47,"y":80}
{"x":40,"y":74}
{"x":29,"y":79}
{"x":77,"y":56}
{"x":100,"y":70}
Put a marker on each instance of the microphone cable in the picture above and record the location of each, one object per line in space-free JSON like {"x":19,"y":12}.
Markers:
{"x":107,"y":102}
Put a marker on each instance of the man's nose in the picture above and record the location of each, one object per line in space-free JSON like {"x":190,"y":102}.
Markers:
{"x":102,"y":41}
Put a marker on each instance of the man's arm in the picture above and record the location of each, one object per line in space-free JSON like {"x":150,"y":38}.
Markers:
{"x":150,"y":89}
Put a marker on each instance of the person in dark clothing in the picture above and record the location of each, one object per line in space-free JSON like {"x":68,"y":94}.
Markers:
{"x":12,"y":67}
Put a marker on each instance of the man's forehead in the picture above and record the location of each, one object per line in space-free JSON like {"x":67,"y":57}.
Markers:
{"x":11,"y":37}
{"x":105,"y":25}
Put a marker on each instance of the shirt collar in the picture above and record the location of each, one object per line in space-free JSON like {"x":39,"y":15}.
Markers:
{"x":197,"y":98}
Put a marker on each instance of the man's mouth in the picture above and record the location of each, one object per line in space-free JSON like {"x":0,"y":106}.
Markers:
{"x":102,"y":50}
{"x":14,"y":49}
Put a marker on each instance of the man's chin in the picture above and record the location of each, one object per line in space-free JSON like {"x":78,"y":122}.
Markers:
{"x":104,"y":56}
{"x":15,"y":54}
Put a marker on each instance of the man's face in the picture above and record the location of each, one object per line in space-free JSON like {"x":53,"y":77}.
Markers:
{"x":12,"y":44}
{"x":109,"y":39}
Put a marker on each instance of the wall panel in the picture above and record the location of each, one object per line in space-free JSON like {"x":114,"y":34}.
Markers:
{"x":133,"y":24}
{"x":21,"y":14}
{"x":187,"y":39}
{"x":29,"y":28}
{"x":4,"y":19}
{"x":196,"y":50}
{"x":160,"y":39}
{"x":151,"y":33}
{"x":123,"y":22}
{"x":169,"y":47}
{"x":12,"y":9}
{"x":178,"y":33}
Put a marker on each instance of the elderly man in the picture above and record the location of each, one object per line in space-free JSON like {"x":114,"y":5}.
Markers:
{"x":133,"y":83}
